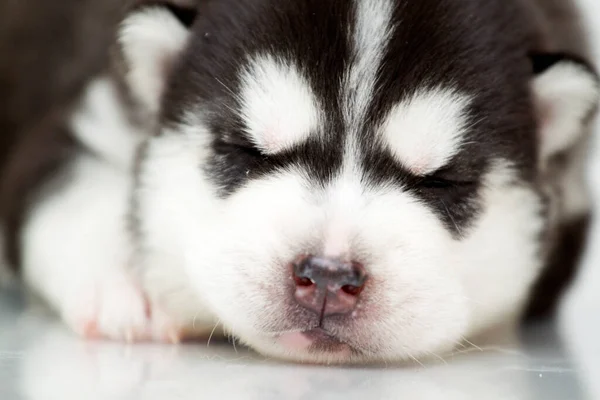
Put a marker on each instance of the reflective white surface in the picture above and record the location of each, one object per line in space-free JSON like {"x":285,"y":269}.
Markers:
{"x":41,"y":360}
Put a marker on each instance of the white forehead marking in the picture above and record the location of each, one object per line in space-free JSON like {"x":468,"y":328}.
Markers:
{"x":279,"y":107}
{"x":372,"y":31}
{"x":369,"y":37}
{"x":425,"y":131}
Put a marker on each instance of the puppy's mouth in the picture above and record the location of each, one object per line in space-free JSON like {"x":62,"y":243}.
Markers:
{"x":316,"y":340}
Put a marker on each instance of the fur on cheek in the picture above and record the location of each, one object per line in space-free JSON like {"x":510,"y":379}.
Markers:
{"x":502,"y":256}
{"x":242,"y":266}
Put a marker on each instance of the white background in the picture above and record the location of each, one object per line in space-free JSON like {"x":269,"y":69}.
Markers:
{"x":581,"y":312}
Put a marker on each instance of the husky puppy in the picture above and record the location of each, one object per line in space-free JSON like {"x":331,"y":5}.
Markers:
{"x":327,"y":181}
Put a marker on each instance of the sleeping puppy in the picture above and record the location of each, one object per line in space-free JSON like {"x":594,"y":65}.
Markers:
{"x":327,"y":181}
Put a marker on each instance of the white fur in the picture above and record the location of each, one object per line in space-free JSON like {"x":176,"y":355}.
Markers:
{"x":565,"y":95}
{"x":278,"y":105}
{"x":370,"y":35}
{"x":77,"y":254}
{"x":429,"y":290}
{"x":426,"y":130}
{"x":168,"y":201}
{"x":75,"y":240}
{"x":76,"y":251}
{"x":101,"y":124}
{"x":150,"y":40}
{"x":576,"y":199}
{"x":501,"y":254}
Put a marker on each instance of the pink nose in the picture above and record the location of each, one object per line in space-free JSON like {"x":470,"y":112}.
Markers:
{"x":328,"y":286}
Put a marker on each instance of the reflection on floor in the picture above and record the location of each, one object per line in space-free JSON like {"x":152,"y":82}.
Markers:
{"x":41,"y":360}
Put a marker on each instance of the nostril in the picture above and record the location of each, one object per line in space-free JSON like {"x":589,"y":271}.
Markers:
{"x":303,"y":281}
{"x":352,"y":290}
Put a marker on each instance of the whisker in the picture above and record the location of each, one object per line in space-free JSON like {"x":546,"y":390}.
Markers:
{"x":235,"y":95}
{"x":472,"y":344}
{"x":212,"y":332}
{"x":473,"y":347}
{"x":417,"y":361}
{"x":439,"y":357}
{"x":233,"y":343}
{"x":231,"y":337}
{"x":233,"y":110}
{"x":451,"y":218}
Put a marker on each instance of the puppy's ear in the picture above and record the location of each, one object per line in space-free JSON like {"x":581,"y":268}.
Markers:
{"x":151,"y":38}
{"x":566,"y":93}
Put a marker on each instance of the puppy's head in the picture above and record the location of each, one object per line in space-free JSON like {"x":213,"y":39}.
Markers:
{"x":351,"y":181}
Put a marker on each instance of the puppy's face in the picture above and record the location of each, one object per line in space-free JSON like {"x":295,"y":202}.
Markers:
{"x":351,"y":181}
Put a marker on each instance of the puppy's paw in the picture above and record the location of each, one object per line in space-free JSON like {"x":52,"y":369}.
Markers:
{"x":112,"y":308}
{"x":117,"y":309}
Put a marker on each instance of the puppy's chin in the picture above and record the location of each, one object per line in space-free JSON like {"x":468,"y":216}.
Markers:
{"x":316,"y":346}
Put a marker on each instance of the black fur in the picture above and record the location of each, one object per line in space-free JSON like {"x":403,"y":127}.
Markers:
{"x":435,"y":43}
{"x":541,"y":62}
{"x":48,"y":52}
{"x":561,"y":270}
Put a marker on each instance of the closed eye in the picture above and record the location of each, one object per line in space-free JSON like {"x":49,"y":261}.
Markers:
{"x":429,"y":182}
{"x":237,"y":143}
{"x":434,"y":181}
